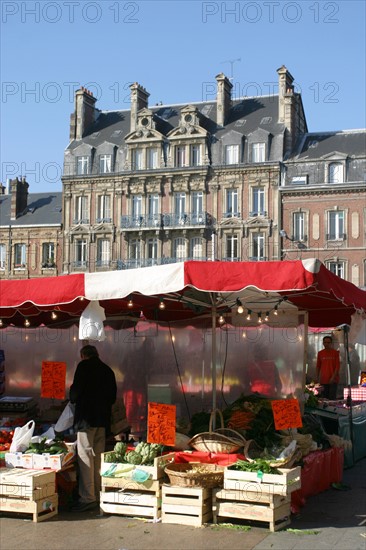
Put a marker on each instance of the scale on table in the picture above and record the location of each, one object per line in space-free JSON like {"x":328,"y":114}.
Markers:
{"x":17,"y":404}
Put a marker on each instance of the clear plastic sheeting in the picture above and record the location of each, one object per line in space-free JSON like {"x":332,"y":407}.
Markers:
{"x":161,"y":363}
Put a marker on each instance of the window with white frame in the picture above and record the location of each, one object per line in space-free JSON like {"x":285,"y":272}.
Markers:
{"x":104,"y":209}
{"x":335,"y":225}
{"x":81,"y":253}
{"x":232,"y":154}
{"x":337,"y":267}
{"x":135,"y":250}
{"x":232,"y":208}
{"x":20,"y":255}
{"x":232,"y":249}
{"x":2,"y":256}
{"x":180,"y":156}
{"x":258,"y":152}
{"x":179,"y":248}
{"x":152,"y":251}
{"x":48,"y":254}
{"x":197,"y":207}
{"x":258,"y":201}
{"x":195,"y":155}
{"x":82,"y":166}
{"x":153,"y":209}
{"x":137,"y":209}
{"x":137,"y":159}
{"x":298,"y":231}
{"x":152,"y":158}
{"x":180,"y":207}
{"x":103,"y":252}
{"x":336,"y":172}
{"x":105,"y":164}
{"x":258,"y":246}
{"x":196,"y":248}
{"x":81,"y":210}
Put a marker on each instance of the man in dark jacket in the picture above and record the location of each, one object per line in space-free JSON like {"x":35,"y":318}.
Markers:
{"x":93,"y":391}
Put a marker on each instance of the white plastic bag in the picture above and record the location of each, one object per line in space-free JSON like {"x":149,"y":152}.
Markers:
{"x":66,"y":419}
{"x":22,"y":437}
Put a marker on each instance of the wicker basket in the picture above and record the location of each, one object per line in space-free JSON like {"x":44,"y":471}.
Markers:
{"x":221,"y":440}
{"x":194,"y":474}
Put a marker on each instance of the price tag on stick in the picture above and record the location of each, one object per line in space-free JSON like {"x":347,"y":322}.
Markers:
{"x":161,"y":423}
{"x":286,"y":413}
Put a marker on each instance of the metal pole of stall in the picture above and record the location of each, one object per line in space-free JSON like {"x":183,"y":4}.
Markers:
{"x":349,"y":394}
{"x":213,"y":364}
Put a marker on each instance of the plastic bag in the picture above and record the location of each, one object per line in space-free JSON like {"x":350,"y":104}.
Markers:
{"x":66,"y":419}
{"x":22,"y":437}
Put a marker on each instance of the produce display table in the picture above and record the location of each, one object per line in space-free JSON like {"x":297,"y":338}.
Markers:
{"x":320,"y":470}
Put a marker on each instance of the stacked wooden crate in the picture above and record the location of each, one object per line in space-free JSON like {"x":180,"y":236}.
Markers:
{"x":124,"y":496}
{"x":28,"y":492}
{"x":186,"y":505}
{"x":265,"y":499}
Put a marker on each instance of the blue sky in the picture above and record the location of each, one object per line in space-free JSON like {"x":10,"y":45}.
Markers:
{"x":174,"y":49}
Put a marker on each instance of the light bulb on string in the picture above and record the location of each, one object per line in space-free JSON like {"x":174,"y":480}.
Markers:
{"x":130,"y":302}
{"x":249,"y":316}
{"x":275,"y":310}
{"x":1,"y":322}
{"x":267,"y":316}
{"x":26,"y":323}
{"x":53,"y":315}
{"x":240,"y":309}
{"x":221,"y":320}
{"x":259,"y":317}
{"x":161,"y":304}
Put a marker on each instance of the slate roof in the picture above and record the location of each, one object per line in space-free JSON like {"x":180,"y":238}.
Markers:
{"x":43,"y":209}
{"x":246,"y":115}
{"x":317,"y":145}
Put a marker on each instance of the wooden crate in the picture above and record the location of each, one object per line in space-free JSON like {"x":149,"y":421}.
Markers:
{"x":157,"y":470}
{"x":273,"y":484}
{"x":27,"y":484}
{"x":186,"y":505}
{"x":129,"y":498}
{"x":271,"y":508}
{"x":40,"y":510}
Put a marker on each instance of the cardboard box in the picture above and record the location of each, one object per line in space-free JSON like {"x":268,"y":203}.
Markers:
{"x":19,"y":460}
{"x":53,"y":462}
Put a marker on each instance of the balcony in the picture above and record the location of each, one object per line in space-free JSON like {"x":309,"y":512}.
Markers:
{"x":148,"y":262}
{"x":163,"y":221}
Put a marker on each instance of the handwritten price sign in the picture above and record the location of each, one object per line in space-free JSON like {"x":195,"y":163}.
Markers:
{"x":161,"y":423}
{"x":53,"y":379}
{"x":286,"y":413}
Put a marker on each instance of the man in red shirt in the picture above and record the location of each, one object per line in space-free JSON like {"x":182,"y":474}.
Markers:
{"x":327,"y":368}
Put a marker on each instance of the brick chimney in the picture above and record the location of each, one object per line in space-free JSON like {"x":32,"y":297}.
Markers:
{"x":224,"y":87}
{"x":84,"y":114}
{"x":287,"y":106}
{"x":139,"y":100}
{"x":19,"y":197}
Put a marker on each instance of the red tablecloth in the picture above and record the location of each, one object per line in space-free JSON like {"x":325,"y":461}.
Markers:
{"x":320,"y":470}
{"x":224,"y":459}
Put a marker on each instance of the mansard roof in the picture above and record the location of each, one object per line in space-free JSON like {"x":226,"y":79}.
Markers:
{"x":42,"y":209}
{"x":246,"y":115}
{"x":313,"y":146}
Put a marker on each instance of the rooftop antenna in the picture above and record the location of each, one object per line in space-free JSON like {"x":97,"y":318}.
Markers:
{"x":231,"y":61}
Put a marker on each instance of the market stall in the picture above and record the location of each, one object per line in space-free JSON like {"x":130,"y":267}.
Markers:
{"x":270,"y":303}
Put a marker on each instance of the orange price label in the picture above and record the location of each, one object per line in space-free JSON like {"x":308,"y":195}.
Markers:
{"x":53,"y":379}
{"x":161,"y":423}
{"x":286,"y":413}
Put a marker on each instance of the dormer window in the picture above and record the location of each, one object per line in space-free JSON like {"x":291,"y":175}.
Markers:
{"x":105,"y":164}
{"x":232,"y":154}
{"x":136,"y":159}
{"x":152,"y":158}
{"x":336,"y":172}
{"x":258,"y":152}
{"x":195,"y":155}
{"x":82,"y":167}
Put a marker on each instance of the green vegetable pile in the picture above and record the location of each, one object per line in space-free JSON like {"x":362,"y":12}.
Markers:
{"x":258,"y":465}
{"x":54,"y":447}
{"x":143,"y":454}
